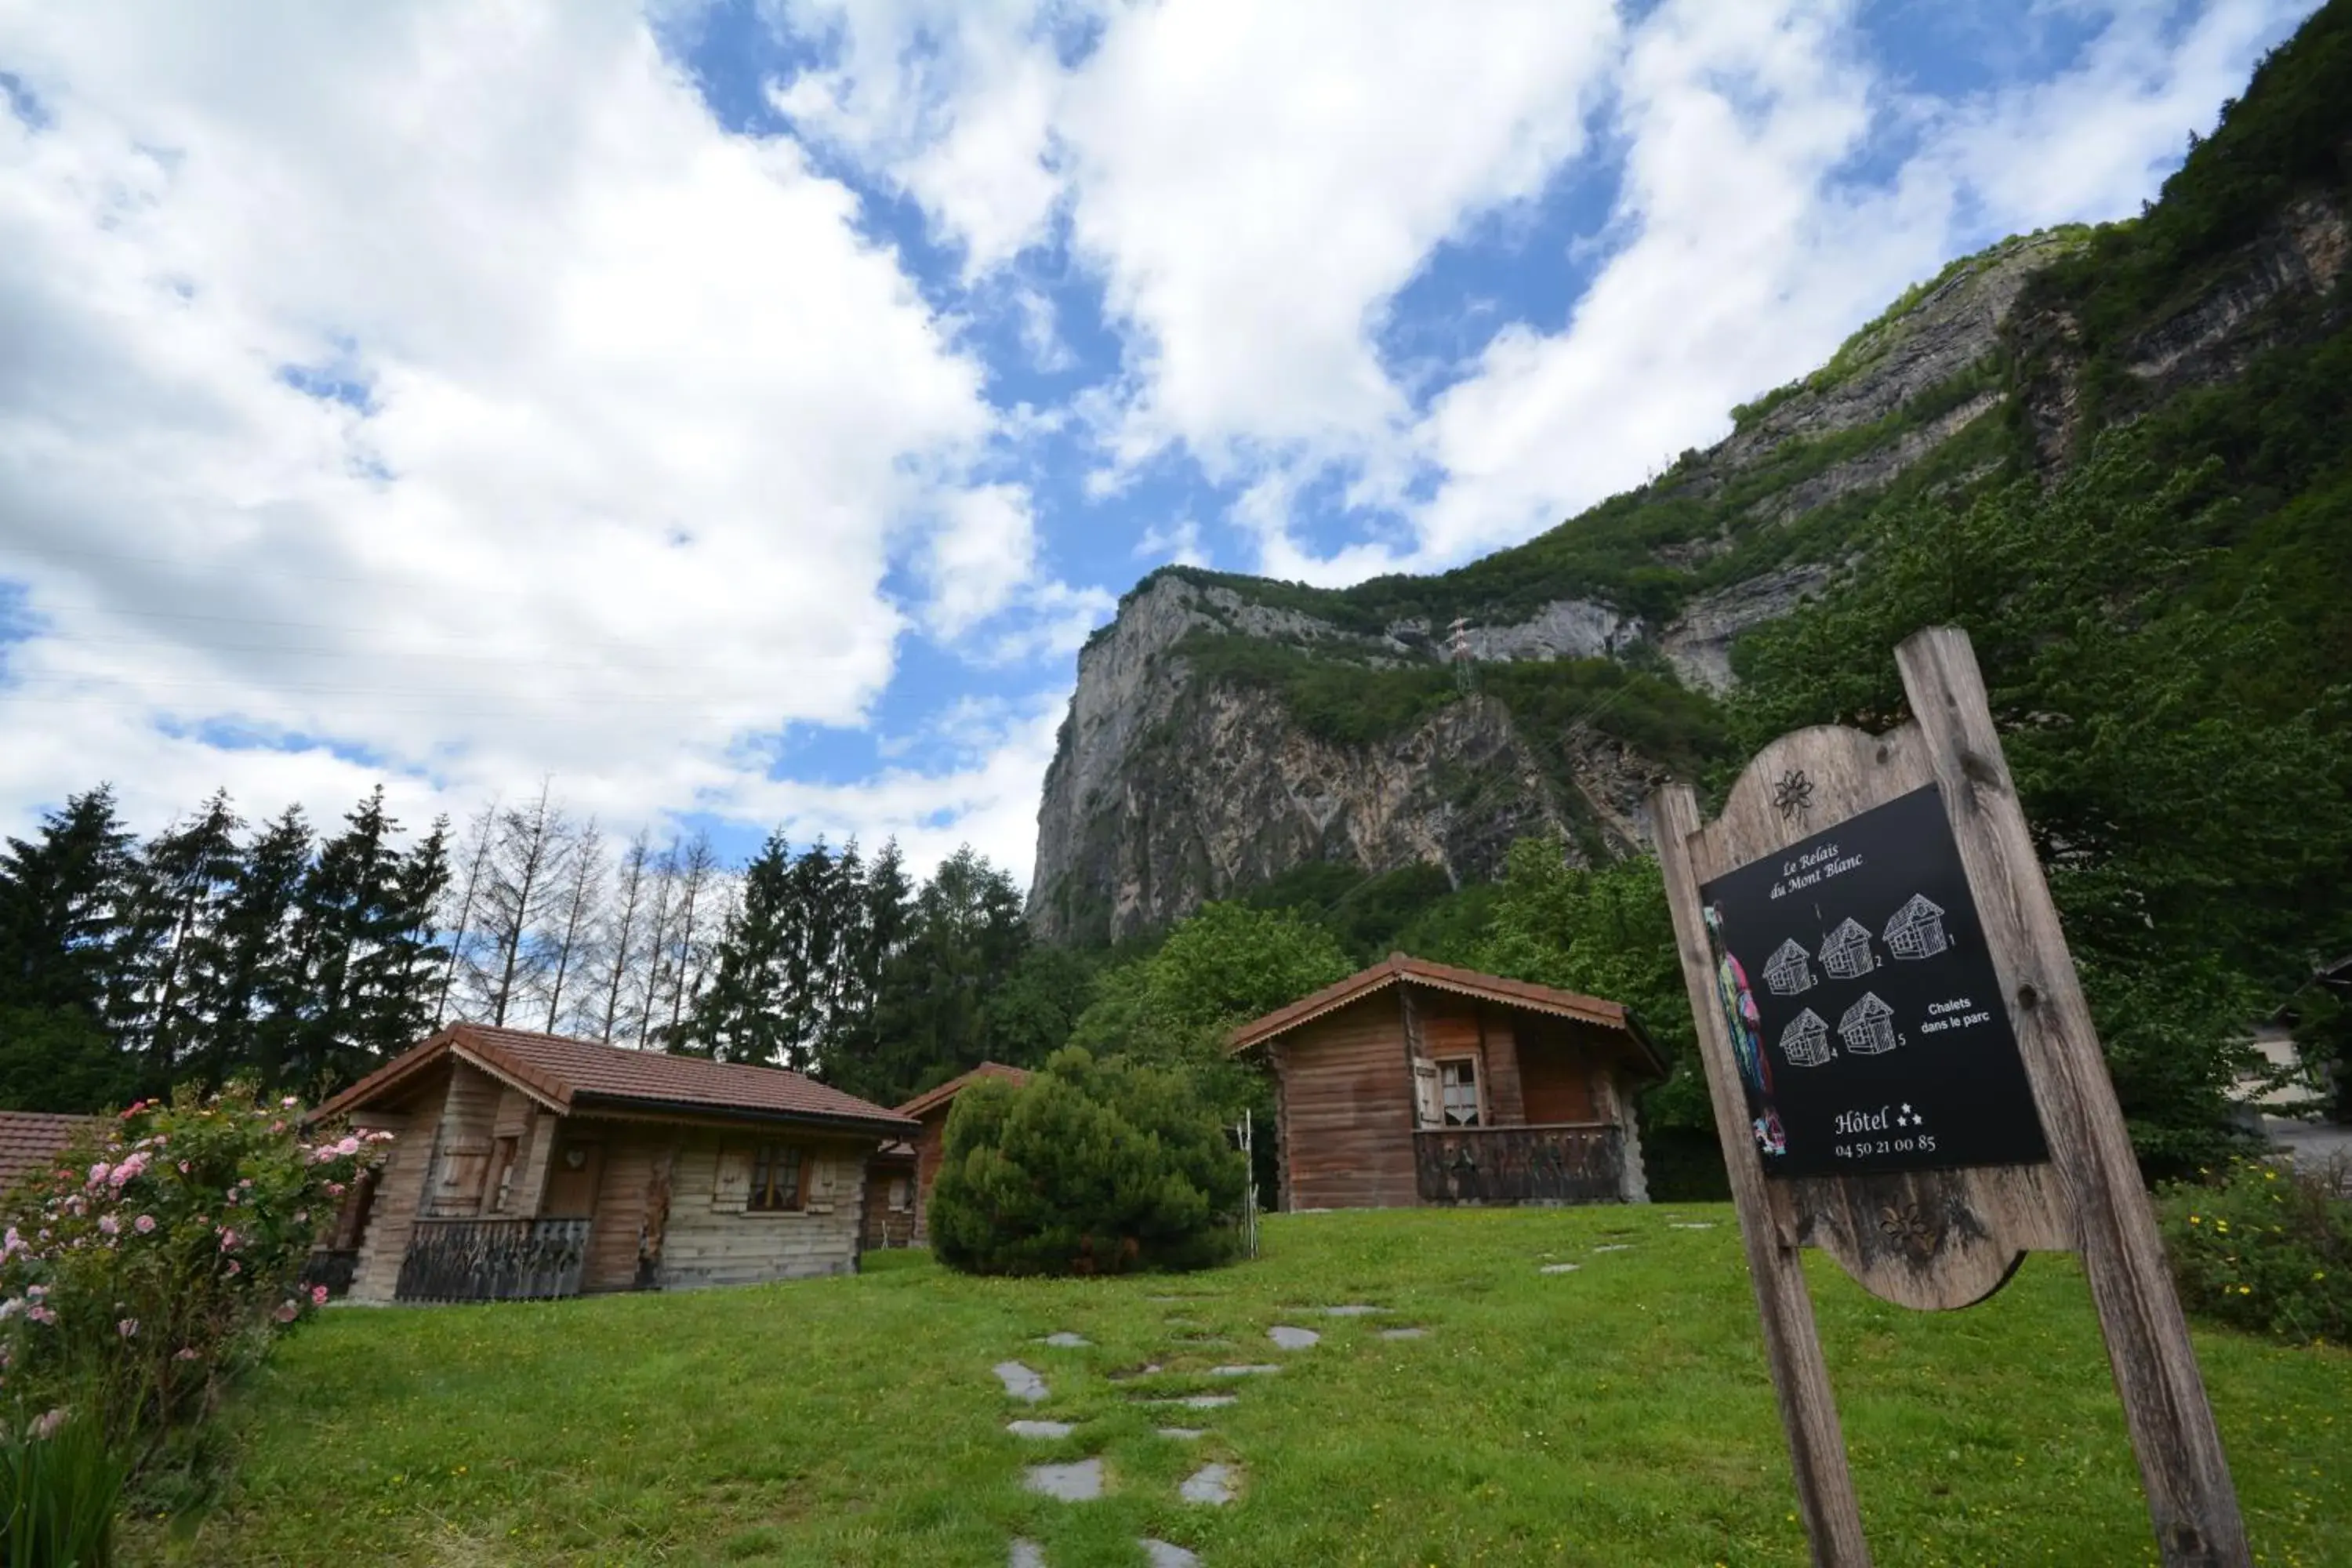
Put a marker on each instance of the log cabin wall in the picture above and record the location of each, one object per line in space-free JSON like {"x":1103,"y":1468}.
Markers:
{"x":1346,"y":1090}
{"x":1558,"y":1068}
{"x":399,"y":1196}
{"x":889,"y":1214}
{"x":711,"y":1240}
{"x":629,"y":1152}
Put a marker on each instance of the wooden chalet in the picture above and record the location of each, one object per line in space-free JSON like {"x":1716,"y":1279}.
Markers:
{"x":1418,"y":1083}
{"x":31,"y":1141}
{"x":931,"y":1108}
{"x":889,"y":1198}
{"x":532,"y":1165}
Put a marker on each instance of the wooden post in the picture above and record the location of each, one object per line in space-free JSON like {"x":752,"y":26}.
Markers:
{"x":1775,"y":1264}
{"x":2190,"y":1498}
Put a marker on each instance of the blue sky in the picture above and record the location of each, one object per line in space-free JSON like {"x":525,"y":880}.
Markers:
{"x":739,"y":413}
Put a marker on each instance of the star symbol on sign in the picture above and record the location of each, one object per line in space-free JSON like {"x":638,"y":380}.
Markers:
{"x":1793,"y":795}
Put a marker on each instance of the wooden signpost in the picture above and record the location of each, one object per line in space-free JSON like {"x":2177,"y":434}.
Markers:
{"x":1904,"y":1075}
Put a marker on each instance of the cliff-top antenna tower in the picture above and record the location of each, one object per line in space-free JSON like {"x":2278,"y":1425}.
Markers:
{"x":1465,"y":671}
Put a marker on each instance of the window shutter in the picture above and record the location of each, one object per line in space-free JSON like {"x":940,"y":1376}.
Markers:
{"x":733,"y":1187}
{"x":1427,"y":1106}
{"x":817,"y":1172}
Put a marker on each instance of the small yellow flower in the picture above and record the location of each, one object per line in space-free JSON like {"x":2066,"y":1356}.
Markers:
{"x":2194,"y":1220}
{"x":2245,"y":1290}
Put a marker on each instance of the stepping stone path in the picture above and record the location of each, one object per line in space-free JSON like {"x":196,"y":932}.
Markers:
{"x":1254,"y":1370}
{"x":1080,"y":1482}
{"x":1210,"y":1484}
{"x":1183,"y":1434}
{"x":1027,"y":1554}
{"x":1403,"y":1333}
{"x":1163,"y":1555}
{"x":1294,"y":1339}
{"x":1561,"y":1268}
{"x":1066,"y":1340}
{"x":1040,"y":1428}
{"x":1352,"y":1309}
{"x":1020,"y":1381}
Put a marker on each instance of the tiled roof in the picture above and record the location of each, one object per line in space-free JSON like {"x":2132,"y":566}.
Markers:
{"x":1442,"y":977}
{"x":561,"y":1073}
{"x":32,"y":1140}
{"x":932,"y":1099}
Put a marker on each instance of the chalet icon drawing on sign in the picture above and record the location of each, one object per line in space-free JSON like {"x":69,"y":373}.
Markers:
{"x":1868,"y":1026}
{"x":1806,"y":1041}
{"x":1789,"y":971}
{"x":1916,"y":930}
{"x":1846,"y":951}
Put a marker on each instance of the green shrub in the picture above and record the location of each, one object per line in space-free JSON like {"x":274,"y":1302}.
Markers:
{"x":1091,"y":1167}
{"x":59,"y":1487}
{"x":161,"y":1258}
{"x":2263,"y":1248}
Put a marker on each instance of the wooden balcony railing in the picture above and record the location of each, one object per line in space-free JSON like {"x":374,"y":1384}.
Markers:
{"x":493,"y":1259}
{"x":1575,"y":1163}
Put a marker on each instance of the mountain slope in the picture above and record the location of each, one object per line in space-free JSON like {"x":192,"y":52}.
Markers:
{"x":1226,"y":730}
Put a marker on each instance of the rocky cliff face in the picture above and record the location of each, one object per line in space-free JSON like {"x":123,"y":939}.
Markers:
{"x":1172,"y":786}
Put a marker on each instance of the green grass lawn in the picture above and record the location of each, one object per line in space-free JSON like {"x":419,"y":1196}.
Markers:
{"x":1618,"y":1413}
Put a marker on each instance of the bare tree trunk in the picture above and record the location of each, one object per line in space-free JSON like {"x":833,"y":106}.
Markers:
{"x":587,"y":862}
{"x":482,"y":829}
{"x":700,"y":863}
{"x":658,"y":933}
{"x":529,"y":844}
{"x":631,"y":889}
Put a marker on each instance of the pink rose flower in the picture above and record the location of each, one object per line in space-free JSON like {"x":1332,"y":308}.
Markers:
{"x":317,"y":1295}
{"x":287,"y":1311}
{"x":144,"y":1224}
{"x":41,"y":1314}
{"x":289,"y":1103}
{"x":110,"y":1224}
{"x":235,"y":1267}
{"x":228,"y":1239}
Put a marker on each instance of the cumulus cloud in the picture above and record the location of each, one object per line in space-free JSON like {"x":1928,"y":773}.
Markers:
{"x":440,"y":393}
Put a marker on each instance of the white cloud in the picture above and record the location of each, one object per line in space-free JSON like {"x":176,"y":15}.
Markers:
{"x":649,"y":417}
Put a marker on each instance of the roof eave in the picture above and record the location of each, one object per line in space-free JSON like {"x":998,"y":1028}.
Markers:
{"x":886,"y":1125}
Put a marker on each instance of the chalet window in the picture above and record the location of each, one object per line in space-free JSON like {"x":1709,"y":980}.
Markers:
{"x":777,"y":1178}
{"x":1458,"y":1082}
{"x":902,"y":1193}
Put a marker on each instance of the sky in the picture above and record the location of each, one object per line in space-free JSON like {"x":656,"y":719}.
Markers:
{"x":739,"y":413}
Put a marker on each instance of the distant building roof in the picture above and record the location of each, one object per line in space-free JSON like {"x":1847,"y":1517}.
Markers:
{"x":1397,"y":967}
{"x":567,"y":1075}
{"x":32,"y":1141}
{"x":930,"y":1100}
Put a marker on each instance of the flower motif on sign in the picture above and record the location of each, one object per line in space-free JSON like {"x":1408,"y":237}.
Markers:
{"x":1793,"y":794}
{"x":1910,"y":1229}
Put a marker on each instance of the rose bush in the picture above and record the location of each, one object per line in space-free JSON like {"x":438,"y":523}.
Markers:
{"x":161,"y":1258}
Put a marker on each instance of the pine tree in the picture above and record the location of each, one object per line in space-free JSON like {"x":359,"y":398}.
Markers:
{"x":165,"y":973}
{"x":62,"y":904}
{"x":257,"y":977}
{"x":743,"y":1017}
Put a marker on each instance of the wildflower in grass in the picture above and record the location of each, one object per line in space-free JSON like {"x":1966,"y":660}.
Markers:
{"x":46,"y":1425}
{"x":41,"y":1314}
{"x":128,"y":1328}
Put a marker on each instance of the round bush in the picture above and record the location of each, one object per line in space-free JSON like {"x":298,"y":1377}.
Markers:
{"x":1091,"y":1167}
{"x":2265,"y":1247}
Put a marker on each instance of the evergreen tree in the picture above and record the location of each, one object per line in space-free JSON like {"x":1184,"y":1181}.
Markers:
{"x":63,"y":898}
{"x":256,"y":982}
{"x":741,"y":1016}
{"x":964,"y":936}
{"x":166,"y":972}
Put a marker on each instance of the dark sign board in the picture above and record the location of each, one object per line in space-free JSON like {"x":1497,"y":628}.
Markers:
{"x":1863,"y":1009}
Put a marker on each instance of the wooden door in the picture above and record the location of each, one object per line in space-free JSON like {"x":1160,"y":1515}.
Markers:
{"x":572,"y":1178}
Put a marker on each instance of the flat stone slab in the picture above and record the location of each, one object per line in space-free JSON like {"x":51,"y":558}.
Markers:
{"x":1020,"y":1381}
{"x":1025,"y":1554}
{"x":1614,"y":1247}
{"x":1197,"y":1401}
{"x":1256,"y":1370}
{"x":1294,"y":1339}
{"x":1183,"y":1434}
{"x":1352,"y":1309}
{"x":1690,"y":1225}
{"x":1210,"y":1484}
{"x":1161,"y":1554}
{"x":1561,"y":1268}
{"x":1039,"y":1429}
{"x":1081,"y":1482}
{"x":1066,"y":1340}
{"x":1404,"y":1333}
